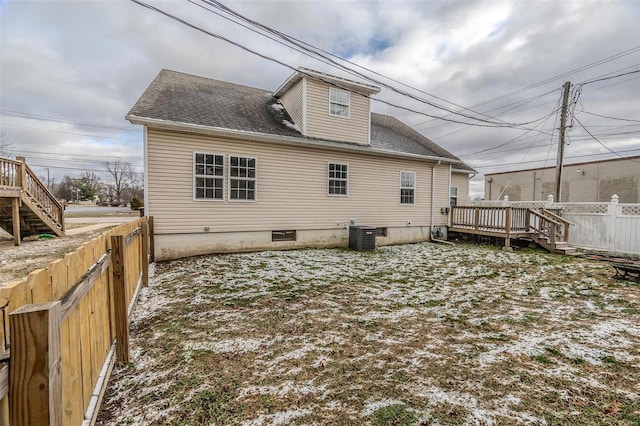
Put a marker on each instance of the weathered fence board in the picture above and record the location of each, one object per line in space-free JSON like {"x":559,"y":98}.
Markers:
{"x":79,"y":292}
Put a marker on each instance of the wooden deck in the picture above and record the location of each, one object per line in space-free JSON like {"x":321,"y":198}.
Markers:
{"x":544,"y":227}
{"x":27,"y":207}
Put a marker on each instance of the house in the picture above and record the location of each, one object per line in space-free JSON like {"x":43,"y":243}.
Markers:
{"x":592,"y":181}
{"x":234,"y":168}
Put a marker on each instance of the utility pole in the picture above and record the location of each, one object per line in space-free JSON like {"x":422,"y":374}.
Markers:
{"x":563,"y":126}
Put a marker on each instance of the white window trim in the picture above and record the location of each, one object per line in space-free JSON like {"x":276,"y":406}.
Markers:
{"x":328,"y":178}
{"x":193,"y":173}
{"x":407,"y":187}
{"x":451,"y":196}
{"x":233,"y":200}
{"x":348,"y":104}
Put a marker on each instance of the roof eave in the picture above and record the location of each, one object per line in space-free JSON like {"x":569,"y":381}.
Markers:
{"x":284,"y":140}
{"x":469,"y":171}
{"x":300,"y":73}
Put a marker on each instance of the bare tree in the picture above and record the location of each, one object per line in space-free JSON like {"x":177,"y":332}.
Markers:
{"x":6,"y":145}
{"x":122,"y":175}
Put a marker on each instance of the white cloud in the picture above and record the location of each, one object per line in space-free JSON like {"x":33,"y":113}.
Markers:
{"x":90,"y":61}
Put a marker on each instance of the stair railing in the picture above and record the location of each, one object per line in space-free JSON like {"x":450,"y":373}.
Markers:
{"x":547,"y":227}
{"x":40,"y":194}
{"x":563,"y":230}
{"x":9,"y":173}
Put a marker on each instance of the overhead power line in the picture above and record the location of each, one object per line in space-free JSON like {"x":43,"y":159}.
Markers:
{"x":482,"y":123}
{"x":559,"y":76}
{"x":19,"y":114}
{"x":66,"y":133}
{"x":608,"y":78}
{"x":325,"y":56}
{"x":496,"y":165}
{"x":611,"y":118}
{"x":597,"y":140}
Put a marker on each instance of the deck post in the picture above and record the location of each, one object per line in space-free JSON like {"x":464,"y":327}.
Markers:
{"x":476,"y":219}
{"x":22,"y":172}
{"x":15,"y":217}
{"x":507,"y":228}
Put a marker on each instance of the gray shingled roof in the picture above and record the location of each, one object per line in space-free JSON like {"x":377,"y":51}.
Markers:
{"x":184,"y":98}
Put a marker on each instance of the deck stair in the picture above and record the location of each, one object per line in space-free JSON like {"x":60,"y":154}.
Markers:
{"x":542,"y":226}
{"x":27,"y":207}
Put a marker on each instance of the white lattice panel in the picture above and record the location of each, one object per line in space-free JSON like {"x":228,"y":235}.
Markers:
{"x":585,"y":208}
{"x":631,"y":210}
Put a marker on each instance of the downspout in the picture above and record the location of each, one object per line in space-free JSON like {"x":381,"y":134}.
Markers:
{"x":433,"y":198}
{"x":433,"y":180}
{"x":145,"y":194}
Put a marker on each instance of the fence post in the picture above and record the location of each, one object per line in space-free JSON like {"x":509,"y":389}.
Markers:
{"x":35,"y":385}
{"x":613,"y":213}
{"x":120,"y":299}
{"x":152,"y":242}
{"x":144,"y":252}
{"x":549,"y":201}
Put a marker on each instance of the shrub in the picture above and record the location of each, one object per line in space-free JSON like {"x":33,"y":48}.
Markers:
{"x":136,"y":203}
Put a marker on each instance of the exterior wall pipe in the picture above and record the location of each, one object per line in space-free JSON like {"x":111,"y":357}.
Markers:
{"x":442,"y":241}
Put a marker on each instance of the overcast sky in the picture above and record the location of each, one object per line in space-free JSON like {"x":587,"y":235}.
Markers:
{"x":71,"y":70}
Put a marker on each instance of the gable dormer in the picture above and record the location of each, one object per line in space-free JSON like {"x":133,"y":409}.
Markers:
{"x":328,"y":107}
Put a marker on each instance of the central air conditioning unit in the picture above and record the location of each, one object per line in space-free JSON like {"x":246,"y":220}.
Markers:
{"x":362,"y":238}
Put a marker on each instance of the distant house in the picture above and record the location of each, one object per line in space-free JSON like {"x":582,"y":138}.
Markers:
{"x":592,"y":181}
{"x":234,"y":168}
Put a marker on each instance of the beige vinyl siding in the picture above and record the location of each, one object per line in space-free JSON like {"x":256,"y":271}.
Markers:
{"x":461,"y":180}
{"x":320,"y":124}
{"x":293,"y":102}
{"x":441,"y":198}
{"x":291,"y":188}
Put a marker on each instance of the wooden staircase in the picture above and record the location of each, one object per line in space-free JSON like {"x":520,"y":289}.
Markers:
{"x":27,"y":207}
{"x":544,"y":227}
{"x":550,"y":231}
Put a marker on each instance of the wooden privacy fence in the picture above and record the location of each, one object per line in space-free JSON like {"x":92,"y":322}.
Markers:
{"x":69,"y":323}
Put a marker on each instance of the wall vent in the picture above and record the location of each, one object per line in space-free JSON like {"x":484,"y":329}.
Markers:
{"x":289,"y":235}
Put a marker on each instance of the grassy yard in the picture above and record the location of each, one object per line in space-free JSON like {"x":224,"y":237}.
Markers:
{"x":414,"y":334}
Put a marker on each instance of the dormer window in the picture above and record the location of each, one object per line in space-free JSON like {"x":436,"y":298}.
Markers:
{"x":338,"y":102}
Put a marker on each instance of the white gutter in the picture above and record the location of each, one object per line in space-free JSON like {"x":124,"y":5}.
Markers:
{"x":282,"y":140}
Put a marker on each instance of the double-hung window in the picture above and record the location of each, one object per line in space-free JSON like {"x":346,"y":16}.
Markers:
{"x":209,"y":176}
{"x":338,"y":102}
{"x":407,"y":187}
{"x":338,"y":179}
{"x":453,"y":196}
{"x":242,"y":178}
